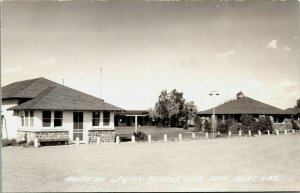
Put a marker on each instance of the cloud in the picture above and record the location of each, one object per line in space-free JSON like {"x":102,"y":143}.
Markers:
{"x":48,"y":61}
{"x":286,"y":48}
{"x":286,"y":83}
{"x":224,"y":54}
{"x":272,"y":44}
{"x":16,"y":69}
{"x":188,"y":63}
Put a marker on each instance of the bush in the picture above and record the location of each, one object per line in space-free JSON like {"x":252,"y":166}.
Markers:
{"x":198,"y":123}
{"x":264,"y":124}
{"x":8,"y":142}
{"x":249,"y":123}
{"x":295,"y":126}
{"x":235,"y":128}
{"x":207,"y":126}
{"x":140,"y":136}
{"x":222,"y":127}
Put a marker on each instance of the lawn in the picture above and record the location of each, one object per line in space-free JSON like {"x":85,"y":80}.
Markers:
{"x":229,"y":164}
{"x":157,"y":133}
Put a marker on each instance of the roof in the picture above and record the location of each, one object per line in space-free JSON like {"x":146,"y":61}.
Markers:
{"x":244,"y":105}
{"x":27,"y":88}
{"x":48,"y":95}
{"x":292,"y":111}
{"x":134,"y":112}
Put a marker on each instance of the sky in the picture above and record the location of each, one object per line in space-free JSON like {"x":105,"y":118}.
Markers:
{"x":144,"y":47}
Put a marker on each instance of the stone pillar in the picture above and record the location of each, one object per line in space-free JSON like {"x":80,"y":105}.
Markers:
{"x":293,"y":131}
{"x":117,"y":140}
{"x":285,"y":131}
{"x":98,"y":140}
{"x":206,"y":135}
{"x":165,"y":137}
{"x":193,"y":135}
{"x":36,"y":142}
{"x":180,"y":137}
{"x":268,"y":132}
{"x":229,"y":133}
{"x":149,"y":138}
{"x":259,"y":132}
{"x":277,"y":132}
{"x":132,"y":139}
{"x":240,"y":132}
{"x":77,"y":141}
{"x":249,"y":133}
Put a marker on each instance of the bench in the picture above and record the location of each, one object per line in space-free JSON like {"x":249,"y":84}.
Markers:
{"x":54,"y":140}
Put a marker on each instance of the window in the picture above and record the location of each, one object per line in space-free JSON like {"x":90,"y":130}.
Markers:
{"x":26,"y":118}
{"x":22,"y":119}
{"x":106,"y":118}
{"x":31,"y":118}
{"x":96,"y":118}
{"x":58,"y":118}
{"x":46,"y":118}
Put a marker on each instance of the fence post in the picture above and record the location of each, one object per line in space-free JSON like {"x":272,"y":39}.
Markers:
{"x":229,"y":133}
{"x":117,"y":140}
{"x":36,"y":142}
{"x":180,"y":137}
{"x":132,"y":139}
{"x":149,"y":138}
{"x":285,"y":131}
{"x":293,"y":131}
{"x":259,"y":132}
{"x":277,"y":132}
{"x":193,"y":135}
{"x":98,"y":140}
{"x":249,"y":133}
{"x":268,"y":132}
{"x":77,"y":141}
{"x":240,"y":132}
{"x":165,"y":137}
{"x":206,"y":135}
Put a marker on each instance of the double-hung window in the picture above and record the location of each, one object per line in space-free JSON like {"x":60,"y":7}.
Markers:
{"x":46,"y":118}
{"x":106,"y":118}
{"x":58,"y":118}
{"x":96,"y":118}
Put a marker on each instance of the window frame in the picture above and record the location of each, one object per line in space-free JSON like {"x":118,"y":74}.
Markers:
{"x":60,"y":119}
{"x":106,"y":120}
{"x":48,"y":119}
{"x":96,"y":118}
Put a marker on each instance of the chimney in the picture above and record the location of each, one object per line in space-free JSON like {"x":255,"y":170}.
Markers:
{"x":239,"y":95}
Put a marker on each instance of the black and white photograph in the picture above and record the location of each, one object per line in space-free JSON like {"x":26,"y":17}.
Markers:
{"x":150,"y":95}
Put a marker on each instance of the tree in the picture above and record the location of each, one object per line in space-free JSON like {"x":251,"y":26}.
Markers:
{"x":297,"y":103}
{"x":172,"y":109}
{"x":168,"y":106}
{"x":189,"y":112}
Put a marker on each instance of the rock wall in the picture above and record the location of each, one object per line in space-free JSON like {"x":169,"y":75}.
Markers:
{"x":282,"y":126}
{"x":106,"y":136}
{"x":29,"y":136}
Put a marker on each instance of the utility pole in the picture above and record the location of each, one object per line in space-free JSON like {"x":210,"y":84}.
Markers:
{"x":101,"y":83}
{"x":213,"y":93}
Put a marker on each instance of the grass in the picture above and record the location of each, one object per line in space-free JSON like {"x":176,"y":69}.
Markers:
{"x":157,"y":133}
{"x":266,"y":163}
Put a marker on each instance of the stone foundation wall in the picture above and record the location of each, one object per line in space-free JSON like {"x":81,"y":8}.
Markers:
{"x":29,"y":136}
{"x":282,"y":126}
{"x":106,"y":136}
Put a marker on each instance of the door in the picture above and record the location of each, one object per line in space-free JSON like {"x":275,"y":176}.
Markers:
{"x":78,"y":125}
